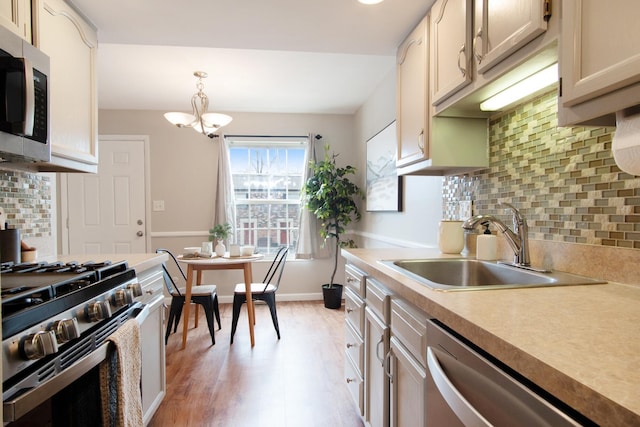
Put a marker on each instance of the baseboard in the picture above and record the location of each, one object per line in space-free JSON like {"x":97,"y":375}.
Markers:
{"x":228,"y":299}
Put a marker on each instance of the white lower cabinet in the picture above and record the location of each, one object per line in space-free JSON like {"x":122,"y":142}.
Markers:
{"x":377,"y":318}
{"x":408,"y":388}
{"x":152,"y":342}
{"x":407,"y":365}
{"x":354,"y":359}
{"x":376,"y":340}
{"x":353,"y":334}
{"x":390,"y":390}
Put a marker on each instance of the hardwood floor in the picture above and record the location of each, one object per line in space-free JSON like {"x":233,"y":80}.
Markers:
{"x":296,"y":381}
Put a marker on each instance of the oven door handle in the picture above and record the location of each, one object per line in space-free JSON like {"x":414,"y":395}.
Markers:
{"x":15,"y":408}
{"x":141,"y":312}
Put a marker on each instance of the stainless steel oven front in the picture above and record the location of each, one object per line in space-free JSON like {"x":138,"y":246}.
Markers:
{"x":62,"y":332}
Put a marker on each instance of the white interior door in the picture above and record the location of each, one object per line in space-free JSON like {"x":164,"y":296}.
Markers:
{"x":106,"y":211}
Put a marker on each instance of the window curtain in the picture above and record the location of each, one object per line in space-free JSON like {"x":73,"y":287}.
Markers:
{"x":224,"y":210}
{"x":309,"y":245}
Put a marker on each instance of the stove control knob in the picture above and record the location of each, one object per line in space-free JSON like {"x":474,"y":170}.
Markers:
{"x":38,"y":345}
{"x":123,"y":297}
{"x":136,"y":288}
{"x":99,"y":310}
{"x":66,"y":330}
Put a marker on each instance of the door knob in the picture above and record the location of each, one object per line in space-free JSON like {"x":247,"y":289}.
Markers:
{"x":139,"y":234}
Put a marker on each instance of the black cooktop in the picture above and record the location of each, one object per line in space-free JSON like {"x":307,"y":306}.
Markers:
{"x":33,"y":292}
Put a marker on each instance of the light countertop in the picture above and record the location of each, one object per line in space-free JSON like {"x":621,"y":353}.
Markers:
{"x":580,"y":343}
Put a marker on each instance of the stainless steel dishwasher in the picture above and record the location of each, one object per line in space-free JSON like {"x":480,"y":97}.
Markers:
{"x":464,"y":388}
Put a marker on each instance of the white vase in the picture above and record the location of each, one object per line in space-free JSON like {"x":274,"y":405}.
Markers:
{"x":220,"y":249}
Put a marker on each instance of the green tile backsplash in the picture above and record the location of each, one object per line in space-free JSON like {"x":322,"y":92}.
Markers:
{"x":26,"y":200}
{"x":564,"y":180}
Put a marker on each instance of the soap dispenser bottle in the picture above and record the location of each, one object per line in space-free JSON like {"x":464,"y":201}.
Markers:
{"x":487,"y":245}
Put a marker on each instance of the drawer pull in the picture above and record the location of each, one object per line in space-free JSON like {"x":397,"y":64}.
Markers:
{"x":351,"y":380}
{"x":349,"y":345}
{"x":349,"y":309}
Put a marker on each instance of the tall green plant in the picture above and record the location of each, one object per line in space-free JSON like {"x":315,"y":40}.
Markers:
{"x":331,"y":197}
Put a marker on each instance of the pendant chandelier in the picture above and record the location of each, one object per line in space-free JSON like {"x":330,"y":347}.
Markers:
{"x":200,"y":120}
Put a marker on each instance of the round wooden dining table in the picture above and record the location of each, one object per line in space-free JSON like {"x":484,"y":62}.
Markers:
{"x":199,"y":264}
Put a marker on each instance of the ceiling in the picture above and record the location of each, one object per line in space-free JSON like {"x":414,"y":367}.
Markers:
{"x":281,"y":56}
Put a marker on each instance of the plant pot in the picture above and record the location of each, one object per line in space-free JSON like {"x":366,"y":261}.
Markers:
{"x":332,"y":296}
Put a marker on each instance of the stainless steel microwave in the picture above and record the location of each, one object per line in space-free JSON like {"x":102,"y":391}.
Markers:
{"x":24,"y":101}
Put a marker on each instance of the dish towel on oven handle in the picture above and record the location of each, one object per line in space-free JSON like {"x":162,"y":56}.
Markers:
{"x":120,"y":376}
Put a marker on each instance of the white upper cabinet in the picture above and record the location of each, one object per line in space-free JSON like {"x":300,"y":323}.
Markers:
{"x":71,"y":44}
{"x":481,"y":47}
{"x":504,"y":26}
{"x":600,"y":58}
{"x":451,"y":47}
{"x":16,"y":16}
{"x":412,"y":74}
{"x":430,"y":145}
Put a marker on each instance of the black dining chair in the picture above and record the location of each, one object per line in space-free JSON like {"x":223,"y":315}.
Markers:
{"x":263,"y":291}
{"x":204,"y":295}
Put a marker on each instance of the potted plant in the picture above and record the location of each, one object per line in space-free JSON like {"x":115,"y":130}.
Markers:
{"x":219,"y":233}
{"x":331,"y":197}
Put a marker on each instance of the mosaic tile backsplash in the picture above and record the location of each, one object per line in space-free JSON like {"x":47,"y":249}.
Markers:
{"x":26,"y":200}
{"x":563,"y":180}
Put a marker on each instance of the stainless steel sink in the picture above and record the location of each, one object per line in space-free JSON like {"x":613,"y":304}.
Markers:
{"x":468,"y":274}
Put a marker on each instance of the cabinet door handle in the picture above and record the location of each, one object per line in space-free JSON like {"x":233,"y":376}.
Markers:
{"x":349,"y":345}
{"x":461,"y":52}
{"x":349,"y":309}
{"x":478,"y":36}
{"x":421,"y":140}
{"x":387,"y":366}
{"x":378,"y":351}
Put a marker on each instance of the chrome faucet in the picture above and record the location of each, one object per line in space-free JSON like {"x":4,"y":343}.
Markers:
{"x":517,"y":239}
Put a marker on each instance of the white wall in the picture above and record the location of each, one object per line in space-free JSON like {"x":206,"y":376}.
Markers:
{"x":183,"y":174}
{"x":417,"y":224}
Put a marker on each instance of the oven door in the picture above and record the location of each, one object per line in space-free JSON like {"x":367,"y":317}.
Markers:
{"x":15,"y":408}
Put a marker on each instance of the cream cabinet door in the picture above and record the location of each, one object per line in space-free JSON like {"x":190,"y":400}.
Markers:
{"x":72,"y":45}
{"x":412,"y":123}
{"x":376,"y":381}
{"x":599,"y":51}
{"x":153,"y":380}
{"x":16,"y":16}
{"x":451,"y":41}
{"x":504,"y":26}
{"x":408,"y":388}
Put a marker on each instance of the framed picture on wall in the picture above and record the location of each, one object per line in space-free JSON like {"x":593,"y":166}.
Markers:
{"x":384,"y":186}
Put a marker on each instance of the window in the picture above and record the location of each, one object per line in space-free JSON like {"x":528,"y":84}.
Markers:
{"x":267,"y":175}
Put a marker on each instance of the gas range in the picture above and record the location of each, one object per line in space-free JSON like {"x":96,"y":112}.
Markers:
{"x":54,"y":314}
{"x":33,"y":292}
